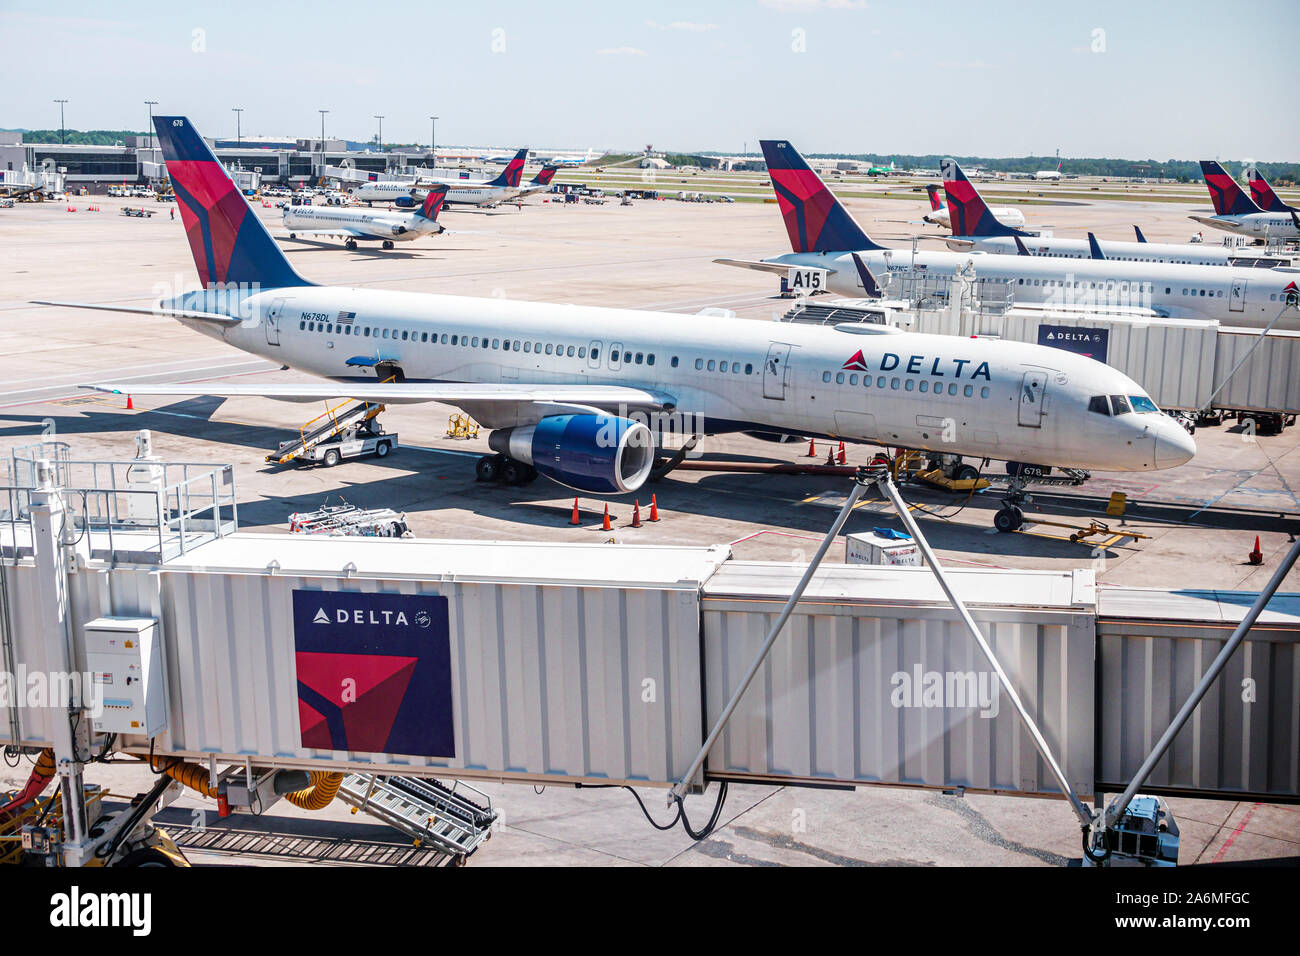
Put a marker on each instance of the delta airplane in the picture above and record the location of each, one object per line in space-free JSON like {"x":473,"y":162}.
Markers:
{"x":1262,"y":193}
{"x":364,"y":224}
{"x":571,"y":392}
{"x":1236,"y":212}
{"x":825,"y":237}
{"x":979,"y":227}
{"x":1007,"y":215}
{"x":460,"y":192}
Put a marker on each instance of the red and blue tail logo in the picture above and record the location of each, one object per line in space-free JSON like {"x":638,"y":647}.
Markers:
{"x":513,"y":174}
{"x":1262,"y":193}
{"x":935,"y":202}
{"x":433,"y":201}
{"x":968,"y":214}
{"x":813,"y":216}
{"x":545,"y":175}
{"x":228,"y":241}
{"x":1226,"y":195}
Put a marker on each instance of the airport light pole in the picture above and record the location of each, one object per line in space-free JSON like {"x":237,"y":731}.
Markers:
{"x":322,"y":129}
{"x":61,"y":136}
{"x":381,"y":131}
{"x":149,"y":132}
{"x":433,"y":138}
{"x":238,"y":111}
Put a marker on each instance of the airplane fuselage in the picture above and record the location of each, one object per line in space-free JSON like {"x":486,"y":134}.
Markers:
{"x":974,"y":397}
{"x":1257,"y":225}
{"x":359,"y":223}
{"x":1114,"y":250}
{"x":1249,"y":298}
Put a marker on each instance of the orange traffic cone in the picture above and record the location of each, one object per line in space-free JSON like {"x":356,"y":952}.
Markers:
{"x":1256,"y":556}
{"x":636,"y":513}
{"x":830,"y":456}
{"x":575,"y":519}
{"x":812,"y":448}
{"x":605,"y":526}
{"x":840,"y":457}
{"x":654,"y":509}
{"x":130,"y":406}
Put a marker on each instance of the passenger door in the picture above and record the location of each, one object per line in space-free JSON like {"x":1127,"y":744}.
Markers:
{"x":776,"y":375}
{"x":1033,"y":385}
{"x":1237,"y":301}
{"x":273,"y":322}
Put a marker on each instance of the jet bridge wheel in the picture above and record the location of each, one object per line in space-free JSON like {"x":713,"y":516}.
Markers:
{"x":1009,"y":519}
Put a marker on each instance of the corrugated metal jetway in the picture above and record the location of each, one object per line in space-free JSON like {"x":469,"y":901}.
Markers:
{"x":601,"y":663}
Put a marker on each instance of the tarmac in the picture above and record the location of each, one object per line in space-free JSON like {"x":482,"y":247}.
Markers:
{"x":1201,"y":518}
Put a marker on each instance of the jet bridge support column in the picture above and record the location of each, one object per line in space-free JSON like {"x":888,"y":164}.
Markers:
{"x":70,"y":736}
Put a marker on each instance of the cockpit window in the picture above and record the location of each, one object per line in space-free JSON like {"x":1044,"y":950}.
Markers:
{"x":1120,"y":404}
{"x":1099,"y":405}
{"x":1142,"y":404}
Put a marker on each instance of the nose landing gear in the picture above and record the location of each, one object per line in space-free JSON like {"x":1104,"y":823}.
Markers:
{"x":1011,"y":516}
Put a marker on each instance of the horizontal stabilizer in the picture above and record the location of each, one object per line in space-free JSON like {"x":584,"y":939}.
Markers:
{"x":140,"y":310}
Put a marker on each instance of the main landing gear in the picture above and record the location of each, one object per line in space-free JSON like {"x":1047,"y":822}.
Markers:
{"x":350,"y":244}
{"x":664,"y":464}
{"x":499,"y":468}
{"x":388,"y":243}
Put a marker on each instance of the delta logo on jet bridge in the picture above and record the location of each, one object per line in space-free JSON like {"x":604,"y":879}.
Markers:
{"x":374,"y":672}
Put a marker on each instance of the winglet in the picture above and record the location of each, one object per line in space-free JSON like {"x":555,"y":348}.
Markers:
{"x":869,"y":283}
{"x":1138,"y":230}
{"x":1021,"y":250}
{"x":1094,"y":247}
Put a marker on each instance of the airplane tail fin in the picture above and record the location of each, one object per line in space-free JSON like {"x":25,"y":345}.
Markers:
{"x":1138,"y":229}
{"x":814,"y":218}
{"x":228,"y":241}
{"x":935,"y":202}
{"x":544,"y":176}
{"x":969,"y":213}
{"x":1226,"y":195}
{"x":514,"y":171}
{"x":1262,"y":193}
{"x":433,"y":201}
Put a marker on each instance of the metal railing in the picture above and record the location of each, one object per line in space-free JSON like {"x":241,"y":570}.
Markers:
{"x":132,"y":509}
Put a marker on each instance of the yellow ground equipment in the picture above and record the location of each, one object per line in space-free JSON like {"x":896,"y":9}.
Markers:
{"x":461,"y":426}
{"x":1083,"y":534}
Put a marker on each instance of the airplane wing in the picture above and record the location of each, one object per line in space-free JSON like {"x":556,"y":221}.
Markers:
{"x":165,"y":313}
{"x":395,"y":393}
{"x":777,"y":268}
{"x":962,"y":243}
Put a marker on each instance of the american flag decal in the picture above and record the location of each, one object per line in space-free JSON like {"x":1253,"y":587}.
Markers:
{"x":346,"y":318}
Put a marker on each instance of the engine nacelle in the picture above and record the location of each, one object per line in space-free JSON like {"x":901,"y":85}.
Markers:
{"x":405,"y":202}
{"x":399,"y":230}
{"x":599,"y":454}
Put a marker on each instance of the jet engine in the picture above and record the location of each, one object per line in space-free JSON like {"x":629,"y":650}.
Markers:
{"x":596,"y":453}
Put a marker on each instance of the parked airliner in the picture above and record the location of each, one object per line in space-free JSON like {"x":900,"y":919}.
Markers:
{"x":825,"y":237}
{"x":364,"y":224}
{"x":1236,"y":212}
{"x":939,"y":215}
{"x":1262,"y":193}
{"x":583,"y":394}
{"x":467,"y":192}
{"x":975,"y":225}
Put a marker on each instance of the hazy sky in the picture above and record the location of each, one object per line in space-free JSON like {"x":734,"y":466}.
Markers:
{"x":1132,"y":79}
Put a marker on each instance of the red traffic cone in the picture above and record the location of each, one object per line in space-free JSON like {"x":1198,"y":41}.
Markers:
{"x":636,"y":513}
{"x":840,"y":456}
{"x":1256,"y":556}
{"x":812,"y":448}
{"x":654,"y":509}
{"x":605,"y":526}
{"x":130,"y":406}
{"x":575,"y":519}
{"x":830,"y":456}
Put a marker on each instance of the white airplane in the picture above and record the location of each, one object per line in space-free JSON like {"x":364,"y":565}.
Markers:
{"x":1236,"y":212}
{"x":502,"y":188}
{"x":584,"y":395}
{"x":825,"y":237}
{"x":940,"y":216}
{"x":979,"y":227}
{"x":364,"y":224}
{"x":1049,"y":174}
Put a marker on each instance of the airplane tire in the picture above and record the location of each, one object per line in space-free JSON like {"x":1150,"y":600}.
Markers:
{"x":1008,"y":519}
{"x":514,"y":472}
{"x":488,"y":468}
{"x":388,"y":243}
{"x":293,"y":235}
{"x":967,"y":473}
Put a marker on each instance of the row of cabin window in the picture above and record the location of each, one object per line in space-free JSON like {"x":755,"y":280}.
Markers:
{"x":1080,"y":255}
{"x":1108,"y":286}
{"x":720,"y":366}
{"x":465,"y":341}
{"x":906,"y":384}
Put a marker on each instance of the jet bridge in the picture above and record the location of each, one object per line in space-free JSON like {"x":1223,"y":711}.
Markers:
{"x":365,"y":664}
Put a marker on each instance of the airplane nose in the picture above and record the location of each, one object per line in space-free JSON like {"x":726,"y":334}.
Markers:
{"x":1174,"y":446}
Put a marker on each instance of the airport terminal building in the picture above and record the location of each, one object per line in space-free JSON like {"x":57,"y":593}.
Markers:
{"x":289,"y":162}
